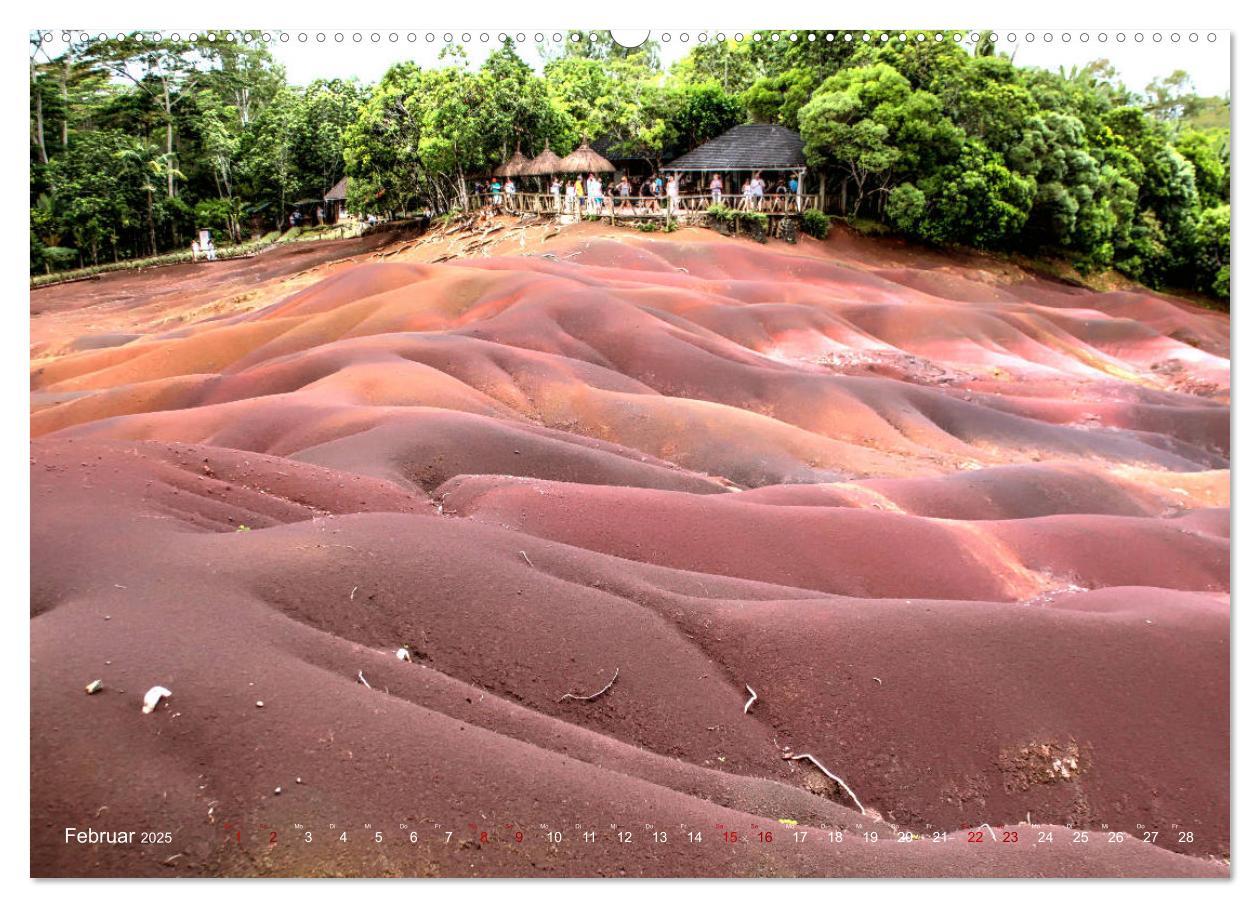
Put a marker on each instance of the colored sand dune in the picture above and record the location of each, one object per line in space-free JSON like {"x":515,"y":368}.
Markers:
{"x":964,"y":530}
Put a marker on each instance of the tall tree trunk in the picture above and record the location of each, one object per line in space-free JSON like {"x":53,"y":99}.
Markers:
{"x":152,"y":231}
{"x":65,"y":103}
{"x":39,"y":124}
{"x":170,"y":140}
{"x":39,"y":115}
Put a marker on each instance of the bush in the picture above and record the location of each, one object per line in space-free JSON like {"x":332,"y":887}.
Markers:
{"x":815,"y":223}
{"x":906,"y":206}
{"x":755,"y":223}
{"x":1212,"y":242}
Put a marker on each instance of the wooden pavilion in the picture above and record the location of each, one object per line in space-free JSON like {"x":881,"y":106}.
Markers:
{"x":740,"y":152}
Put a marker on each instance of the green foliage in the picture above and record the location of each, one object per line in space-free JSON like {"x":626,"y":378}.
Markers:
{"x":907,"y":207}
{"x":134,"y":144}
{"x":1212,"y":247}
{"x":815,"y":223}
{"x":755,"y":219}
{"x":739,"y":220}
{"x":955,"y":148}
{"x":1208,"y":154}
{"x":779,"y":98}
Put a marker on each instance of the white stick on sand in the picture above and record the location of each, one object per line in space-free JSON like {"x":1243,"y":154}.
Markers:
{"x":829,"y":774}
{"x":599,"y":693}
{"x":751,"y":700}
{"x":153,"y":698}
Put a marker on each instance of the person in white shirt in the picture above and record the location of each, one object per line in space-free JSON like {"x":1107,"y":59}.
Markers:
{"x":594,"y":193}
{"x":671,"y":193}
{"x":758,"y":187}
{"x":570,"y":196}
{"x":555,"y":193}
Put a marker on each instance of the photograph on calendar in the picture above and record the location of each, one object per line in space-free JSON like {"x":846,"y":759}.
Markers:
{"x":581,"y":453}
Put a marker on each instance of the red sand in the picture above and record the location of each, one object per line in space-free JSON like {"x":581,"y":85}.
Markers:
{"x":964,"y":530}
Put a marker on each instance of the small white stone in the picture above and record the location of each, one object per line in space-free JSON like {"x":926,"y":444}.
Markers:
{"x":94,"y":686}
{"x":403,"y":654}
{"x":259,"y":704}
{"x":278,"y":789}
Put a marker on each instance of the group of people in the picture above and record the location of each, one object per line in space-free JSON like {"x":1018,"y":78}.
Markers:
{"x":204,"y":249}
{"x":754,"y":196}
{"x":652,"y":193}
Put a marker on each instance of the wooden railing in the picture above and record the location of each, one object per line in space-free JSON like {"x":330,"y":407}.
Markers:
{"x":638,"y":206}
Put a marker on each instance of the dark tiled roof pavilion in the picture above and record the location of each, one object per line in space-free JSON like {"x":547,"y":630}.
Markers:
{"x":753,"y":146}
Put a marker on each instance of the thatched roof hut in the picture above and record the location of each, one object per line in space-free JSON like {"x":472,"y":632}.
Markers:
{"x":545,"y":164}
{"x":338,"y":192}
{"x":753,"y":146}
{"x":514,"y":167}
{"x":585,"y":159}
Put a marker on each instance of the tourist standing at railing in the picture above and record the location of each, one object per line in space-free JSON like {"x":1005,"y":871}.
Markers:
{"x":570,"y":196}
{"x":715,"y":187}
{"x":671,"y":194}
{"x":746,"y":199}
{"x":496,"y":190}
{"x":779,"y":202}
{"x":650,"y":192}
{"x":555,"y":193}
{"x":794,"y":188}
{"x":623,"y":193}
{"x":579,"y":195}
{"x":510,"y":191}
{"x":758,"y":190}
{"x":594,"y":193}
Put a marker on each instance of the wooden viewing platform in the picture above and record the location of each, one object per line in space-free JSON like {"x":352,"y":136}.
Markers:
{"x":688,"y":208}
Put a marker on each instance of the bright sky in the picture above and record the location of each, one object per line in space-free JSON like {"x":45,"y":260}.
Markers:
{"x":1206,"y":57}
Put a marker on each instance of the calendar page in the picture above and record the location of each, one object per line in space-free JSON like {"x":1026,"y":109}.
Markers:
{"x":571,"y":452}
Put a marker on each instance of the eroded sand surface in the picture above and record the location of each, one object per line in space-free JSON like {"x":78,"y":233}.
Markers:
{"x":965,"y":532}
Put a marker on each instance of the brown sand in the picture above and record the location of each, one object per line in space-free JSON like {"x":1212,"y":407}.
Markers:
{"x":964,"y":530}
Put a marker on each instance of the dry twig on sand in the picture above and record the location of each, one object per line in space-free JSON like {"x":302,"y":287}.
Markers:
{"x":829,"y":774}
{"x":364,"y":681}
{"x":599,"y":693}
{"x":527,"y":561}
{"x":751,"y":700}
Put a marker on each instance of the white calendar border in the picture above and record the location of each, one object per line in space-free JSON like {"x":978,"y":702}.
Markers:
{"x":656,"y":14}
